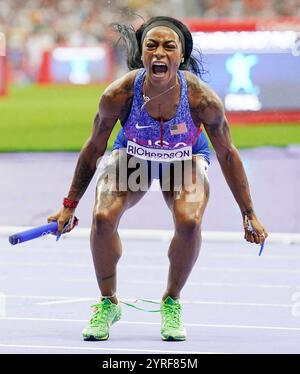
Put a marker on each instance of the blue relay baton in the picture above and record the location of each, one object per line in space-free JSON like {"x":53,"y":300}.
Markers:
{"x":261,"y":248}
{"x":36,"y":232}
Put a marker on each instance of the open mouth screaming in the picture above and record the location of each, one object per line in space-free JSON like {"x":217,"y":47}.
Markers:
{"x":159,"y":68}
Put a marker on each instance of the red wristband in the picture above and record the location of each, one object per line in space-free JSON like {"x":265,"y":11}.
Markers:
{"x":68,"y":203}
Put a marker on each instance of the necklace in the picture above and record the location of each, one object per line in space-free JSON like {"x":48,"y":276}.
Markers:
{"x":147,"y":98}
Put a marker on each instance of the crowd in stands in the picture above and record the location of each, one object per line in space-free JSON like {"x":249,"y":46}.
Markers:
{"x":31,"y":26}
{"x":250,"y":8}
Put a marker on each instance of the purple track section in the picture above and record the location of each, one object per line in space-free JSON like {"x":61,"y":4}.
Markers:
{"x":33,"y":186}
{"x":233,"y":302}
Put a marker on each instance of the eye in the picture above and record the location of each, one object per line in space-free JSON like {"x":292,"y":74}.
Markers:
{"x":171,"y":46}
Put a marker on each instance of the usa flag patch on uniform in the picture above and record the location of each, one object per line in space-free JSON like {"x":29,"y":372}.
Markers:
{"x":178,"y":129}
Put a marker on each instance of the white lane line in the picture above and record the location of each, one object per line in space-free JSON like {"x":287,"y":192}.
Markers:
{"x":227,"y":303}
{"x":43,"y":264}
{"x":156,"y":267}
{"x":209,"y":325}
{"x":203,"y":284}
{"x":205,"y":254}
{"x":39,"y":297}
{"x":160,"y":254}
{"x":166,"y":235}
{"x":43,"y":319}
{"x":233,"y":303}
{"x":216,"y":269}
{"x":253,"y":256}
{"x":67,"y":300}
{"x":192,"y":284}
{"x":108,"y":349}
{"x":162,"y":282}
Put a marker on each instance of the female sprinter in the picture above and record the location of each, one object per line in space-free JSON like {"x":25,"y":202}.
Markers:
{"x":162,"y":105}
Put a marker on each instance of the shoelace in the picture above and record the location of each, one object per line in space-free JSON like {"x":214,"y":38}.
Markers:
{"x":100,"y":314}
{"x":142,"y":309}
{"x":172,"y":315}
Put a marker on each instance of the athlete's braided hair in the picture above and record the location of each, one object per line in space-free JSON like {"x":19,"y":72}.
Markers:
{"x":132,"y":41}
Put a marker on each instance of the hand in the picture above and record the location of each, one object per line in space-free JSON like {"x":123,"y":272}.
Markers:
{"x":65,"y":219}
{"x":254,"y":230}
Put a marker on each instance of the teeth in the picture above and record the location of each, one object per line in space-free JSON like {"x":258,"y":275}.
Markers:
{"x":159,"y":64}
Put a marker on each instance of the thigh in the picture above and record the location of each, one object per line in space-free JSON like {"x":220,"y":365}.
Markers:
{"x":188,"y":188}
{"x":113,"y":192}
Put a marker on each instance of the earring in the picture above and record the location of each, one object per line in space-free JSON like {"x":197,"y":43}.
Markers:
{"x":182,"y":60}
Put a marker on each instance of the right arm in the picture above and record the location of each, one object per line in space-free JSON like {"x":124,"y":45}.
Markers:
{"x":93,"y":149}
{"x":113,"y":104}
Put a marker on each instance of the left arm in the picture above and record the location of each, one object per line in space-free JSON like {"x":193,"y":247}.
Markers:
{"x":210,"y":112}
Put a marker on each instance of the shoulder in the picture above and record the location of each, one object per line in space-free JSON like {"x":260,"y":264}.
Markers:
{"x":205,"y":104}
{"x":119,"y":92}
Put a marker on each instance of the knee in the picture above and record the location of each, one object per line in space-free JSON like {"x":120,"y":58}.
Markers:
{"x":188,"y":227}
{"x":104,"y":222}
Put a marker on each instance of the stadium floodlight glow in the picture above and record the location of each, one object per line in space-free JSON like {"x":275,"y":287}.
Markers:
{"x":239,"y":66}
{"x":242,"y":102}
{"x":88,"y":53}
{"x":246,"y":40}
{"x":77,"y":65}
{"x":80,"y":78}
{"x":79,"y":73}
{"x":2,"y":44}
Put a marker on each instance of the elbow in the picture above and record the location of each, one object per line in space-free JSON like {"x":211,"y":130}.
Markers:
{"x":94,"y":150}
{"x":227,"y":154}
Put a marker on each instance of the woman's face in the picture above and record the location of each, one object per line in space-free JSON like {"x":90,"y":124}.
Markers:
{"x":161,"y":53}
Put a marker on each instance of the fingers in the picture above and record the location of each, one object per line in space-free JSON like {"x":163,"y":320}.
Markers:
{"x":255,"y":237}
{"x":65,"y":219}
{"x":261,"y":236}
{"x":51,"y":219}
{"x":59,"y":219}
{"x":70,"y":224}
{"x":247,"y":236}
{"x":61,"y":222}
{"x":254,"y":231}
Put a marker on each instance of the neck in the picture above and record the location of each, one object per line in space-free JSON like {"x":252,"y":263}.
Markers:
{"x":158,"y":87}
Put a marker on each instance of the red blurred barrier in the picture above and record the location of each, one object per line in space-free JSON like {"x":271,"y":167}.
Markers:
{"x":3,"y":75}
{"x":204,"y":25}
{"x":44,"y":71}
{"x":263,"y":117}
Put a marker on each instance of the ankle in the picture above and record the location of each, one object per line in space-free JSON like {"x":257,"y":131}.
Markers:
{"x":174,"y":296}
{"x":112,"y":298}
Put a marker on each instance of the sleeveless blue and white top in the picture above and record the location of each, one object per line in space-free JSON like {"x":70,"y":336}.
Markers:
{"x":152,"y":140}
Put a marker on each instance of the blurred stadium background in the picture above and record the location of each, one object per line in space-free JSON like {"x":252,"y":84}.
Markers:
{"x":58,"y":55}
